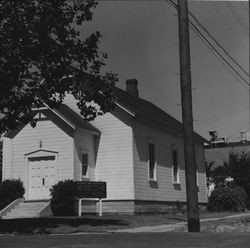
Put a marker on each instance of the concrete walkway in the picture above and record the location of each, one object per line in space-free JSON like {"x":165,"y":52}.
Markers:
{"x":176,"y":226}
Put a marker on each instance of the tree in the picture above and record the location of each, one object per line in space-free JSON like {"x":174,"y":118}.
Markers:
{"x":215,"y":174}
{"x":43,"y":57}
{"x":238,"y":168}
{"x":234,"y":172}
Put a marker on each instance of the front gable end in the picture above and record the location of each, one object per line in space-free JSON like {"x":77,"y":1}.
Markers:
{"x":41,"y":153}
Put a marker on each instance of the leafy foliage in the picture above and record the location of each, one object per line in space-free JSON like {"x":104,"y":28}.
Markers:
{"x":216,"y":175}
{"x":44,"y":56}
{"x":10,"y":190}
{"x":228,"y":197}
{"x":62,"y":198}
{"x":238,"y":168}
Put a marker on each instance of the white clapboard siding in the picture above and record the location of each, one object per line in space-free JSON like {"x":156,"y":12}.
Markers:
{"x":163,"y":189}
{"x":53,"y":139}
{"x":114,"y":163}
{"x":84,"y":141}
{"x":113,"y":145}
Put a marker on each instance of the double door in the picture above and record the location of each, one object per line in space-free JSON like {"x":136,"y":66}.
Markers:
{"x":42,"y":176}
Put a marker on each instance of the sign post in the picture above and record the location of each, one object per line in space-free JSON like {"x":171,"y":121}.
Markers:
{"x":88,"y":189}
{"x":100,"y":207}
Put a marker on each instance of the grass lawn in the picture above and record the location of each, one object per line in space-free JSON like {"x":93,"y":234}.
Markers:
{"x":91,"y":223}
{"x":86,"y":223}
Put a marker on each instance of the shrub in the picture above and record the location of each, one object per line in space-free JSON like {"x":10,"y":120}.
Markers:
{"x":10,"y":190}
{"x":62,"y":198}
{"x":228,"y":198}
{"x":238,"y":168}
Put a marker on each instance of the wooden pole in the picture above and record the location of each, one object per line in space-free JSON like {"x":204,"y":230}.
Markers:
{"x":187,"y":119}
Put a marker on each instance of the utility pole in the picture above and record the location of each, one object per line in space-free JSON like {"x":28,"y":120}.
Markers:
{"x":187,"y":119}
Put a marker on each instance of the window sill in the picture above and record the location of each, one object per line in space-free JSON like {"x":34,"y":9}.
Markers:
{"x":152,"y":180}
{"x":176,"y":183}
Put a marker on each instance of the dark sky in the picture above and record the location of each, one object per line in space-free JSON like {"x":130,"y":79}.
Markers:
{"x":141,"y":39}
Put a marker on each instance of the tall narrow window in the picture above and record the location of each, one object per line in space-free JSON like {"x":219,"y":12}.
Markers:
{"x":151,"y":158}
{"x":85,"y":164}
{"x":175,"y":166}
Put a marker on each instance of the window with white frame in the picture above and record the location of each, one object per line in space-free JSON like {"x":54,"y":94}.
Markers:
{"x":175,"y":166}
{"x":84,"y":164}
{"x":151,"y":161}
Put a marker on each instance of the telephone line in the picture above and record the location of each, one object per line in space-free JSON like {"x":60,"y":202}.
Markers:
{"x":218,"y":55}
{"x":218,"y":44}
{"x":237,"y":16}
{"x":245,"y":7}
{"x":225,"y":22}
{"x":211,"y":46}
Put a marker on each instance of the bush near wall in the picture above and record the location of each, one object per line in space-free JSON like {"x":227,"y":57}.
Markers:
{"x":10,"y":190}
{"x":228,"y":198}
{"x":62,"y":198}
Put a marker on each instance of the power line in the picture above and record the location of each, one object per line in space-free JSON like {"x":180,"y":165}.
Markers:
{"x":237,"y":16}
{"x":214,"y":40}
{"x":220,"y":15}
{"x":218,"y":117}
{"x":244,"y":6}
{"x":218,"y":44}
{"x":213,"y":49}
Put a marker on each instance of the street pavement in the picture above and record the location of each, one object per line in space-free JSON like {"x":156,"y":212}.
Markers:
{"x":129,"y":240}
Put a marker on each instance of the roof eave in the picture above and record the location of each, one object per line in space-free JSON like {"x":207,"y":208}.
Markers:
{"x":129,"y":111}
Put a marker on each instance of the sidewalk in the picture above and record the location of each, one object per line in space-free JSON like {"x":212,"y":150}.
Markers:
{"x":172,"y":227}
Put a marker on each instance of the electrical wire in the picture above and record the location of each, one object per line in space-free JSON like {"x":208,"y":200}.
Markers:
{"x":218,"y":44}
{"x":220,"y":15}
{"x":206,"y":122}
{"x":211,"y":46}
{"x":218,"y":55}
{"x":237,"y":16}
{"x":244,"y":6}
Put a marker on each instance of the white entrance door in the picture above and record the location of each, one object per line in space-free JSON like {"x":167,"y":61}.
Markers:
{"x":42,"y":175}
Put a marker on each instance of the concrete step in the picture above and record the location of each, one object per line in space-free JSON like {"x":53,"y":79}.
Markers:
{"x":36,"y":208}
{"x":23,"y":212}
{"x":21,"y":215}
{"x":26,"y":210}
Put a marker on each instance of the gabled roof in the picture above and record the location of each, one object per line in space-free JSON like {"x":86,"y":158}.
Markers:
{"x":146,"y":110}
{"x":63,"y":113}
{"x":77,"y":120}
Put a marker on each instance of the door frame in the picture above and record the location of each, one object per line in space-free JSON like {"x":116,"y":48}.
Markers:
{"x":35,"y":154}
